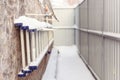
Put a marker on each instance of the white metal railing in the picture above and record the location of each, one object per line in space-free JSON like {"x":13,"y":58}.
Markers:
{"x":35,"y":43}
{"x":110,"y":35}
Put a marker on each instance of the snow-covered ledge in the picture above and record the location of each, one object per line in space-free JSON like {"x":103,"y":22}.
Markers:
{"x":32,"y":24}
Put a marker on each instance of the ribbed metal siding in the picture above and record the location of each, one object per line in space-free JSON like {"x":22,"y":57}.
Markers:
{"x":95,"y":18}
{"x":95,"y":53}
{"x":101,"y":53}
{"x":83,"y":15}
{"x":111,"y":24}
{"x":83,"y":35}
{"x":64,"y":36}
{"x":77,"y":22}
{"x":84,"y":45}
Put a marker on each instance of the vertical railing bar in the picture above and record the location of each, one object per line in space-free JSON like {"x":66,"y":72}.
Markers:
{"x":41,"y":41}
{"x":33,"y":45}
{"x":40,"y":44}
{"x":22,"y":48}
{"x":28,"y":46}
{"x":36,"y":36}
{"x":28,"y":60}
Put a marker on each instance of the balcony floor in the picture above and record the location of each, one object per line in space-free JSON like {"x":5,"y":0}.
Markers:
{"x":69,"y":66}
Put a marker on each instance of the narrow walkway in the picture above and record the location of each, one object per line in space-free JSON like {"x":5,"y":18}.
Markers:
{"x":67,"y":65}
{"x":71,"y":66}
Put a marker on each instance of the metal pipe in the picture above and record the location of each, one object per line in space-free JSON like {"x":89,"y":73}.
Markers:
{"x":110,"y":35}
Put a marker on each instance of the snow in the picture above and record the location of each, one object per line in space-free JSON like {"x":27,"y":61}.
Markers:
{"x":50,"y":73}
{"x":69,"y":66}
{"x":32,"y":23}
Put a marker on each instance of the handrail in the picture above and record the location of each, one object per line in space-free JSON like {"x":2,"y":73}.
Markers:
{"x":115,"y":36}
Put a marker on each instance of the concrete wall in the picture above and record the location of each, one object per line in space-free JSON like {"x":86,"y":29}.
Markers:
{"x":10,"y":54}
{"x":64,"y":34}
{"x":10,"y":51}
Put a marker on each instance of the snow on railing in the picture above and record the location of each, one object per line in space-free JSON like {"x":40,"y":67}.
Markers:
{"x":36,"y":38}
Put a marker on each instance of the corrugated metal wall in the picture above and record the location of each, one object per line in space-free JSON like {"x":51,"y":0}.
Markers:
{"x":77,"y":22}
{"x":64,"y":31}
{"x":99,"y":37}
{"x":64,"y":36}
